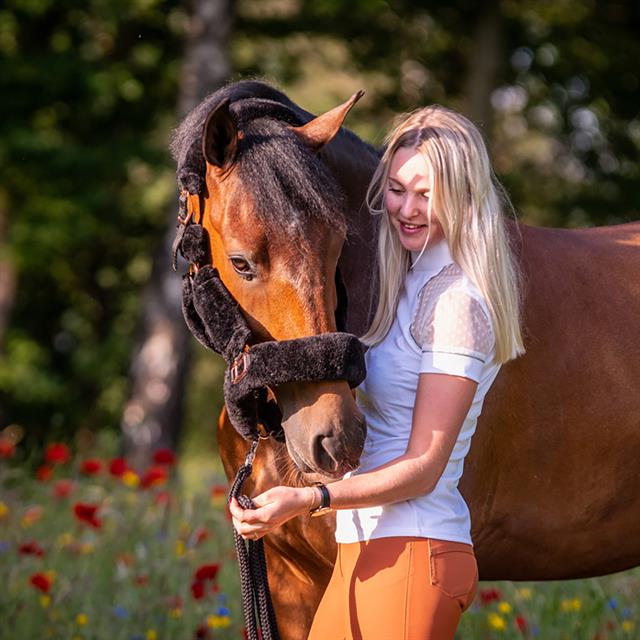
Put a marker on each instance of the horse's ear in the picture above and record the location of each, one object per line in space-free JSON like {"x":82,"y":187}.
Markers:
{"x":321,"y":130}
{"x":220,"y":137}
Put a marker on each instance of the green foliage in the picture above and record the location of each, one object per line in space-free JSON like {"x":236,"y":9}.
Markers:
{"x":88,"y":97}
{"x":89,"y":90}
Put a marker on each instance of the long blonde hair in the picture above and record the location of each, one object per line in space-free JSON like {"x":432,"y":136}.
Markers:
{"x":469,"y":203}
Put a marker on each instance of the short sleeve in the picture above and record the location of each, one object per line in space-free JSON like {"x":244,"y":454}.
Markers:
{"x":452,"y":329}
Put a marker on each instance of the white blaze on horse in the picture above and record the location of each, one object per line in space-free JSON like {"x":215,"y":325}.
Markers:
{"x":553,"y":476}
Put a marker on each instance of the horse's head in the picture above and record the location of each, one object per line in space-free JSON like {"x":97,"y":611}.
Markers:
{"x":276,"y":221}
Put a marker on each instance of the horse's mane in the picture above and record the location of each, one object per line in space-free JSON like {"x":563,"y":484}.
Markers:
{"x":287,"y":182}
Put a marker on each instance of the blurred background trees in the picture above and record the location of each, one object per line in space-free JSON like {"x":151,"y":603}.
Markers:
{"x":91,"y":90}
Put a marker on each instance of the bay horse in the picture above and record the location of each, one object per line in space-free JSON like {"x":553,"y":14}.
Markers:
{"x":553,"y":476}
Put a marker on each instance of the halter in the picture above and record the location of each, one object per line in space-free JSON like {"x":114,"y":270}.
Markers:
{"x":253,"y":368}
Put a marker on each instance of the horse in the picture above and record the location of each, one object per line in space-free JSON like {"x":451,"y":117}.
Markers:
{"x":552,"y":479}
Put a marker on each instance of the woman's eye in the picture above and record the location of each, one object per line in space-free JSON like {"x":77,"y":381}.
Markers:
{"x":395,"y":190}
{"x":242,"y":267}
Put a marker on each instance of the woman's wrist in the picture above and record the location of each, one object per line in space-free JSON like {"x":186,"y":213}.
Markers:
{"x":314,"y":499}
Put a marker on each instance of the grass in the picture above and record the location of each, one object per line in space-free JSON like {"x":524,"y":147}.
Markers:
{"x":92,"y":550}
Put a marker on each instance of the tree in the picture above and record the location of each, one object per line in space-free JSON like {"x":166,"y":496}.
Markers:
{"x":87,"y":91}
{"x":153,"y":413}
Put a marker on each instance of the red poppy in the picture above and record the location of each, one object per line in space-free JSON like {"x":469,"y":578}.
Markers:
{"x":154,"y":476}
{"x":141,"y":580}
{"x":7,"y":448}
{"x":40,"y":581}
{"x":44,"y":473}
{"x":207,"y":572}
{"x":219,"y":490}
{"x":487,"y":596}
{"x":200,"y":534}
{"x":117,"y":467}
{"x":164,"y":456}
{"x":174,"y":602}
{"x":31,"y":548}
{"x":202,"y":632}
{"x":197,"y":589}
{"x":91,"y":466}
{"x":57,"y":453}
{"x":163,"y":497}
{"x":62,"y":489}
{"x":87,"y":513}
{"x":521,"y":623}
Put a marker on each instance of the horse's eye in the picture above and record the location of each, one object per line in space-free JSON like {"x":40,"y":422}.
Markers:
{"x":242,"y":267}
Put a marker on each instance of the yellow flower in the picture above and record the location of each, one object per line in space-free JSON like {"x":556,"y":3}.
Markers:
{"x":87,"y":548}
{"x":130,"y":478}
{"x":524,"y":593}
{"x":4,"y":510}
{"x":628,"y":625}
{"x":504,"y":607}
{"x":175,"y":613}
{"x":571,"y":604}
{"x":64,"y":539}
{"x":180,"y":548}
{"x":218,"y":622}
{"x":152,"y":634}
{"x":496,"y":622}
{"x":82,"y":619}
{"x":51,"y":574}
{"x":45,"y":601}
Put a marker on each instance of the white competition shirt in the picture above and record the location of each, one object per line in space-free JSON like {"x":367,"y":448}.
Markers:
{"x":442,"y":326}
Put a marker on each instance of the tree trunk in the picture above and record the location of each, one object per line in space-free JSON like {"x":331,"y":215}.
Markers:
{"x":160,"y":362}
{"x":484,"y":66}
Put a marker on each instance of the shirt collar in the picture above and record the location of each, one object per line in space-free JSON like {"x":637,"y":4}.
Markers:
{"x":434,"y":257}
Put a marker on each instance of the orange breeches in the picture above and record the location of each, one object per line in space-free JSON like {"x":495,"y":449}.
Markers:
{"x":397,"y":589}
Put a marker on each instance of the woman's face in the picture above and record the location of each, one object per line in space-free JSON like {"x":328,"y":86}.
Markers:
{"x":407,"y":200}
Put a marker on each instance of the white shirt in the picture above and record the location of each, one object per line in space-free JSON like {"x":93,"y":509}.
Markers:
{"x":442,"y":325}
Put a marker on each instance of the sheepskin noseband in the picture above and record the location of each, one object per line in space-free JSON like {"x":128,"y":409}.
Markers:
{"x":216,"y":321}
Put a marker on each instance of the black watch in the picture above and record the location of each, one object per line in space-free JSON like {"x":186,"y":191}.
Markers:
{"x":325,"y":502}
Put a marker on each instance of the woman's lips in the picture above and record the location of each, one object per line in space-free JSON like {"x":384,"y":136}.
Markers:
{"x":411,"y":229}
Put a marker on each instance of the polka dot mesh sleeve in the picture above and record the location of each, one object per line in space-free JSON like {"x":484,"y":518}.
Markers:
{"x":451,"y":326}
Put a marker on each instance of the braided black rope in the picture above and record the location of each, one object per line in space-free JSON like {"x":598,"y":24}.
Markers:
{"x":254,"y":584}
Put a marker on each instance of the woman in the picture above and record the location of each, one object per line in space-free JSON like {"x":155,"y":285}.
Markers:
{"x":447,"y":318}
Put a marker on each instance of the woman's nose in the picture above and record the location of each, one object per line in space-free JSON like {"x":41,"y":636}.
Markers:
{"x":409,"y":208}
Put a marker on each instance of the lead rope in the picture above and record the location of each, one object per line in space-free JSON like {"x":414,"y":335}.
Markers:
{"x":254,"y":584}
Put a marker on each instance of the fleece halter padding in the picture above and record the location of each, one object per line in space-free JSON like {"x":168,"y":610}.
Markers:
{"x":216,"y":321}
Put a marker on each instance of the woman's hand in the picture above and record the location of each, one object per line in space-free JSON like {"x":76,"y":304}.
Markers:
{"x":274,"y":508}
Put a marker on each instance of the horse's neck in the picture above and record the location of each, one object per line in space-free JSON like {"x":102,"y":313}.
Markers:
{"x":352,"y":163}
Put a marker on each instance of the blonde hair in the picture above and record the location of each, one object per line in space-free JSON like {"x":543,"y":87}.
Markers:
{"x":469,"y":202}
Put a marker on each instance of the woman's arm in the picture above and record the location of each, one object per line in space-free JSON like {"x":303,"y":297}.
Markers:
{"x":442,"y":403}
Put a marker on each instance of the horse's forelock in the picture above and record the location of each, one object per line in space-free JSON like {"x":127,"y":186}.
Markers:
{"x":288,"y":183}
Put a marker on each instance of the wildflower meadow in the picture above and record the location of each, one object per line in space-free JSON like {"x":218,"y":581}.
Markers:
{"x":91,"y":549}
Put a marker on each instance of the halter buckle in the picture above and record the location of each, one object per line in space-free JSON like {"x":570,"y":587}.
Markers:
{"x":240,"y":366}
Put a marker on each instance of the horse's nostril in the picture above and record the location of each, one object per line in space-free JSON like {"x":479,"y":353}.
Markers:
{"x":324,"y":454}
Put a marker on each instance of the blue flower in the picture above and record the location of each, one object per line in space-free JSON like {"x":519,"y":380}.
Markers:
{"x":223,"y":611}
{"x":120,"y":612}
{"x":535,"y":630}
{"x":625,"y":613}
{"x":613,"y":603}
{"x":4,"y":546}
